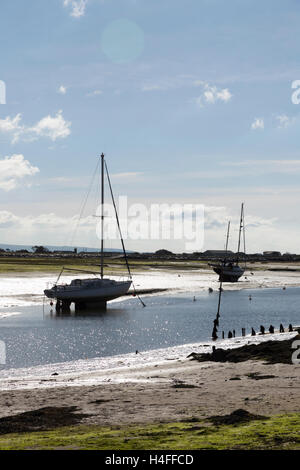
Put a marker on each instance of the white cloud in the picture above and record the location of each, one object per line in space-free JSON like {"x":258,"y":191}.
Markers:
{"x":218,"y":217}
{"x":46,"y":228}
{"x":62,"y":90}
{"x":212,"y":94}
{"x":13,"y":169}
{"x":77,"y":7}
{"x":258,"y":123}
{"x":12,"y":126}
{"x":52,"y":127}
{"x":264,"y":231}
{"x":284,"y":121}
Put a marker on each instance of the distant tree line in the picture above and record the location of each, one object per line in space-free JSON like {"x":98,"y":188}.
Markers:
{"x":40,"y":250}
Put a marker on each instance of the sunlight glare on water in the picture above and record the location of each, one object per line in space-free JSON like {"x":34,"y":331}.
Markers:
{"x":34,"y":337}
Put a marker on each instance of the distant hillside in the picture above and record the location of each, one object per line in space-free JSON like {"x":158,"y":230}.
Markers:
{"x":3,"y":246}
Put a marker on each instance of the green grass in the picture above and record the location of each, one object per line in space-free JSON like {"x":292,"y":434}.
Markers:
{"x":44,"y":264}
{"x":278,"y":432}
{"x":51,"y":264}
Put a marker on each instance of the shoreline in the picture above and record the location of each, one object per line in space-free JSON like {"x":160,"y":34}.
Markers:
{"x":174,"y":390}
{"x":157,"y":386}
{"x":25,"y":289}
{"x":123,"y":368}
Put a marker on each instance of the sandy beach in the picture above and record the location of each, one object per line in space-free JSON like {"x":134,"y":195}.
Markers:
{"x":172,"y":390}
{"x":155,"y":386}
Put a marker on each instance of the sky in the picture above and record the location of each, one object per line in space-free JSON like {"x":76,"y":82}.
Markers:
{"x":192,"y":102}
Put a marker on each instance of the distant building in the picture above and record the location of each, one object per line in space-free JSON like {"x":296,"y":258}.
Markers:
{"x":272,"y":254}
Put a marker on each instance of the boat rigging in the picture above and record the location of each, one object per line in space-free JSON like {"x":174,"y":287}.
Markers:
{"x":97,"y":291}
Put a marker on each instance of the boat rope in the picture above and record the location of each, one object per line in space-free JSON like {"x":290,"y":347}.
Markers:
{"x":137,"y":295}
{"x":81,"y":271}
{"x":121,"y":236}
{"x":59,"y":276}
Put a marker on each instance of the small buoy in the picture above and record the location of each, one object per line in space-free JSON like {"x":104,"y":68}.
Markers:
{"x":51,"y":303}
{"x":250,"y":298}
{"x":134,"y":294}
{"x":194,"y":299}
{"x":284,"y":288}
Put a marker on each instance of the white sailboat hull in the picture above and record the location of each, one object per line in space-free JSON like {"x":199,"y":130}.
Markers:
{"x":96,"y":292}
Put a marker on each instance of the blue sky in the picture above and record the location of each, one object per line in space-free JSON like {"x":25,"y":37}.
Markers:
{"x":193,"y":104}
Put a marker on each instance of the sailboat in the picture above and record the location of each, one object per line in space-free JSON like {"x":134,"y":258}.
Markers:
{"x":229,"y":269}
{"x":96,"y":291}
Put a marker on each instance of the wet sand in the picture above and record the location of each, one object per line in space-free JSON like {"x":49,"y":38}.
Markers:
{"x":24,"y":289}
{"x":176,"y":390}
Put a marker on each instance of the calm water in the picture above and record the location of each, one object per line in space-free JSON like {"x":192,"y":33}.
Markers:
{"x":35,"y":337}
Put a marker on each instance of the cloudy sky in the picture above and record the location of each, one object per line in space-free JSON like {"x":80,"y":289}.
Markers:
{"x":192,"y":102}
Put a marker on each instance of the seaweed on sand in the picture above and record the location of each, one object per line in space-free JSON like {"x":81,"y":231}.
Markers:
{"x":40,"y":420}
{"x":272,"y":352}
{"x":236,"y":417}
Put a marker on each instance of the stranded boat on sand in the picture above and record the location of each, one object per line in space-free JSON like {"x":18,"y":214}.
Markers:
{"x":93,"y":291}
{"x":87,"y":292}
{"x":229,"y":270}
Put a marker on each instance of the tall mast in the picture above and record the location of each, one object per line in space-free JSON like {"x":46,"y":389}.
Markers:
{"x":102,"y":215}
{"x":240,"y":231}
{"x":227,"y":239}
{"x":244,"y":237}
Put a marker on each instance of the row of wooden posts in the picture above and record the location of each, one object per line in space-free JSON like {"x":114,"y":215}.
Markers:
{"x":231,"y":334}
{"x":262,"y":331}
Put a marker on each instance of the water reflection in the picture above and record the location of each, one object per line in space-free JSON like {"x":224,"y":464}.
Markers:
{"x":85,"y":313}
{"x":41,"y":336}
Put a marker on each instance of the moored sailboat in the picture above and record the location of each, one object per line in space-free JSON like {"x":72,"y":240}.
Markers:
{"x":96,"y":291}
{"x":229,"y":269}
